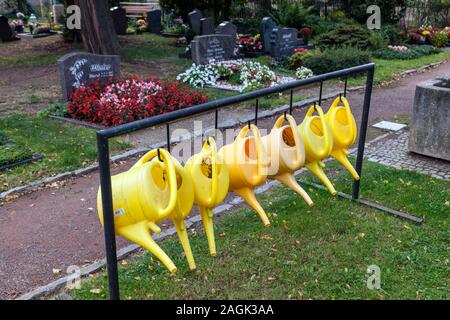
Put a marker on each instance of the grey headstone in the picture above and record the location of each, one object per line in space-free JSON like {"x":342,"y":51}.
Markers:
{"x":79,"y":69}
{"x":217,"y":47}
{"x":154,"y":21}
{"x":194,"y":20}
{"x":120,"y":20}
{"x":430,"y":123}
{"x":283,"y":42}
{"x":206,"y":26}
{"x":267,"y":26}
{"x":227,"y":28}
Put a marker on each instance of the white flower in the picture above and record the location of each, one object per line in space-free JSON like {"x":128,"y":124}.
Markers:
{"x":303,"y":73}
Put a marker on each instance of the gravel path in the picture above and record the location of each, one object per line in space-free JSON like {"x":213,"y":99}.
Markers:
{"x":58,"y":227}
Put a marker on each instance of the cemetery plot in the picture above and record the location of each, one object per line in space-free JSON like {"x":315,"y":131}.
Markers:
{"x":12,"y":155}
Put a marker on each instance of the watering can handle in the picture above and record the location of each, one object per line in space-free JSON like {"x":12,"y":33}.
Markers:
{"x":165,"y":158}
{"x":323,"y":121}
{"x":259,"y":148}
{"x":293,"y":125}
{"x":346,"y":106}
{"x":211,"y":145}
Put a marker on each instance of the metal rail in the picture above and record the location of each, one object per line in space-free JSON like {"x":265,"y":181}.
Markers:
{"x":104,"y":135}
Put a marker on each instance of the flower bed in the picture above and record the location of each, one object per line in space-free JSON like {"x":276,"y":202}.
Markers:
{"x":405,"y":53}
{"x":251,"y":47}
{"x":131,"y":99}
{"x":235,"y":75}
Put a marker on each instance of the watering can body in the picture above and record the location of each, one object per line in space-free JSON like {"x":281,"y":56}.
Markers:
{"x":156,"y":188}
{"x":318,"y":141}
{"x":211,"y":182}
{"x":247,"y":164}
{"x":342,"y":125}
{"x":287,"y":153}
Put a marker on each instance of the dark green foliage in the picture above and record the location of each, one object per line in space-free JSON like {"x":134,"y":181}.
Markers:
{"x":297,"y":60}
{"x":336,"y":59}
{"x":290,"y":14}
{"x":395,"y":34}
{"x":378,"y":40}
{"x":413,"y":53}
{"x":247,"y":26}
{"x":345,"y":36}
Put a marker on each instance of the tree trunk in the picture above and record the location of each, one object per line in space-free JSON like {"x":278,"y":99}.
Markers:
{"x":97,"y":28}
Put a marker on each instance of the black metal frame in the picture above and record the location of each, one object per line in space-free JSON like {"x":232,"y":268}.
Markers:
{"x":103,"y":137}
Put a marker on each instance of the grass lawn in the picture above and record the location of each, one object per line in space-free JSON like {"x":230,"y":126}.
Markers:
{"x":386,"y":70}
{"x":321,"y":252}
{"x":65,"y":147}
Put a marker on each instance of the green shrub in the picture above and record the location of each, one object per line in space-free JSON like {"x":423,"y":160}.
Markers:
{"x":439,"y":39}
{"x":290,"y":14}
{"x":297,"y":60}
{"x":55,"y":109}
{"x":345,"y":36}
{"x":378,"y":40}
{"x":336,"y":59}
{"x":247,"y":26}
{"x":395,"y":34}
{"x":13,"y":154}
{"x":412,"y":53}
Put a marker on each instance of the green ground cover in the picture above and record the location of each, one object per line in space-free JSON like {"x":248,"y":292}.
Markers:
{"x":321,"y":252}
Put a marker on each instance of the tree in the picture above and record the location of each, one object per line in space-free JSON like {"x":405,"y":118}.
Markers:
{"x":97,"y":28}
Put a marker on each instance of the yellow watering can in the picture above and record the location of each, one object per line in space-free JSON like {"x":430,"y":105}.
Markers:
{"x":247,"y":164}
{"x":318,"y":142}
{"x":156,"y":188}
{"x":287,"y":154}
{"x":343,"y":128}
{"x":211,"y":182}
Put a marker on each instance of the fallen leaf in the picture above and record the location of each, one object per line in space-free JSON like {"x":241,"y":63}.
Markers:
{"x":56,"y":271}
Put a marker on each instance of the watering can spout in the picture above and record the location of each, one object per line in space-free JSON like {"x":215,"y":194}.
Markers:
{"x":184,"y":239}
{"x":289,"y":180}
{"x":207,"y":218}
{"x":139,"y":233}
{"x":316,"y":168}
{"x":341,"y":156}
{"x":249,"y":196}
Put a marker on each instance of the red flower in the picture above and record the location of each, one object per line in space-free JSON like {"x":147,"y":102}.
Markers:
{"x":130,"y":99}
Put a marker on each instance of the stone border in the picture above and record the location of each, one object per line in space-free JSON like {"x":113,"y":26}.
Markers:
{"x":34,"y":158}
{"x":53,"y":287}
{"x":78,"y":122}
{"x":21,"y":190}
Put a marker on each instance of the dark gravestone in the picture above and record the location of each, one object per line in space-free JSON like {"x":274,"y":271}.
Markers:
{"x":154,"y":21}
{"x":79,"y":69}
{"x":6,"y":34}
{"x":267,"y":26}
{"x":283,"y":42}
{"x":120,"y":20}
{"x":206,"y":26}
{"x":194,"y":20}
{"x":217,"y":47}
{"x":227,"y":28}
